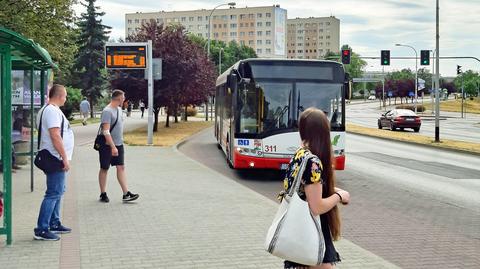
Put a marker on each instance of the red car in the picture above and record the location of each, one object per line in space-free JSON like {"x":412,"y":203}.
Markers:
{"x":400,"y":118}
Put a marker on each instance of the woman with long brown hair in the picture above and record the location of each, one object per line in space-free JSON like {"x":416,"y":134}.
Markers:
{"x":318,"y":181}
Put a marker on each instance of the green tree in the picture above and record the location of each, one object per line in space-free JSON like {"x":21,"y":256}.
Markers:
{"x":49,"y":23}
{"x":470,"y":81}
{"x":90,"y":73}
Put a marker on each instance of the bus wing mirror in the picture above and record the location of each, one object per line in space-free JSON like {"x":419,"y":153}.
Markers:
{"x":347,"y":86}
{"x":232,"y":82}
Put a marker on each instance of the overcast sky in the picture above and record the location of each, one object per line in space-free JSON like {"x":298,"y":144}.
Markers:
{"x":367,"y":26}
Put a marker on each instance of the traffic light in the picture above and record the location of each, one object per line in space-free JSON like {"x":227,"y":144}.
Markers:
{"x":459,"y":70}
{"x":425,"y":57}
{"x":385,"y":57}
{"x":346,"y":56}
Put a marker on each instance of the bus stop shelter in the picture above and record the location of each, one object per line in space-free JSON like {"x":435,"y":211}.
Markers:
{"x":19,"y":54}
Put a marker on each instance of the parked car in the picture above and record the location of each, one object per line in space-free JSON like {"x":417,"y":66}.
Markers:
{"x":372,"y":97}
{"x":400,"y":118}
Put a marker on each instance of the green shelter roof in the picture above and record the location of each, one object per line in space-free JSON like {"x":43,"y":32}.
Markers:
{"x":25,"y":52}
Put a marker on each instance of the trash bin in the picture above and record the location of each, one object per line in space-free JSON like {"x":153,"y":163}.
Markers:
{"x":21,"y":149}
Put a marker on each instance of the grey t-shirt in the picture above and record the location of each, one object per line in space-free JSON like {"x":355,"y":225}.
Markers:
{"x":109,"y":115}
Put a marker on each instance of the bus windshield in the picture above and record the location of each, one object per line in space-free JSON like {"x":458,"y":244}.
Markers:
{"x":267,"y":106}
{"x":326,"y":97}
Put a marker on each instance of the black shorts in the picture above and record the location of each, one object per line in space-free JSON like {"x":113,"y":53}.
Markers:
{"x":106,"y":158}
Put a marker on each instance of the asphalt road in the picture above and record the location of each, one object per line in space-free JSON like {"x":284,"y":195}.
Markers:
{"x":414,"y":206}
{"x":452,"y":126}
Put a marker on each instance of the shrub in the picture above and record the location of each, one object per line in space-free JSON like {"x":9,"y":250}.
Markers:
{"x":191,"y":111}
{"x":74,"y":97}
{"x":420,"y":108}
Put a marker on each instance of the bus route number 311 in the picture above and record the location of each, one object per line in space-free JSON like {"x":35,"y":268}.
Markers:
{"x":270,"y":148}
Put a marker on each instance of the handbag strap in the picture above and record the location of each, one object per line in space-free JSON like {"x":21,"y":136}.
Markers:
{"x":40,"y":127}
{"x":111,"y":127}
{"x":298,"y":178}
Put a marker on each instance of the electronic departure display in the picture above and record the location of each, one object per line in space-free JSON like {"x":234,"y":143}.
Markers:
{"x":126,"y":57}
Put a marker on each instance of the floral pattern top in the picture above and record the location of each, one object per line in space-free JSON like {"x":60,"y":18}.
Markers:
{"x":312,"y":173}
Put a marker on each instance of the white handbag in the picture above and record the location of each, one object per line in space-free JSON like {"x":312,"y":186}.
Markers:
{"x":295,"y":234}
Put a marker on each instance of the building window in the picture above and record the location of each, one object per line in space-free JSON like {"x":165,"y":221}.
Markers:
{"x":190,"y":18}
{"x":328,"y":37}
{"x":184,"y":19}
{"x":300,"y":51}
{"x":224,"y":34}
{"x":129,"y":29}
{"x":259,"y":15}
{"x":233,"y":25}
{"x":129,"y":21}
{"x":199,"y":18}
{"x":214,"y":26}
{"x":251,"y":33}
{"x":251,"y":16}
{"x":300,"y":32}
{"x":250,"y":42}
{"x":242,"y":16}
{"x":268,"y":42}
{"x":242,"y":34}
{"x":224,"y":25}
{"x":268,"y":51}
{"x":300,"y":44}
{"x":259,"y":51}
{"x":268,"y":23}
{"x":215,"y":35}
{"x":242,"y":42}
{"x":206,"y":18}
{"x":259,"y":33}
{"x":241,"y":24}
{"x":259,"y":24}
{"x":224,"y":17}
{"x":215,"y":17}
{"x":251,"y":24}
{"x":219,"y":26}
{"x":143,"y":20}
{"x":268,"y":15}
{"x":259,"y":42}
{"x":233,"y":34}
{"x":199,"y":27}
{"x":233,"y":17}
{"x":327,"y":23}
{"x":268,"y":33}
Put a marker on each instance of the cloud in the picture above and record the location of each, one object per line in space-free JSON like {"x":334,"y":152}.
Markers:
{"x":367,"y":26}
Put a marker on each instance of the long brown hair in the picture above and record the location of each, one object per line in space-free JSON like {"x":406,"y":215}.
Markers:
{"x":314,"y":130}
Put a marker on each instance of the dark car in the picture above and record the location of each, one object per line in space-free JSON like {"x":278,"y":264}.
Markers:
{"x":400,"y":118}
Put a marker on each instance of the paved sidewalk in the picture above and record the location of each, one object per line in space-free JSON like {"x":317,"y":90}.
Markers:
{"x":187,"y":216}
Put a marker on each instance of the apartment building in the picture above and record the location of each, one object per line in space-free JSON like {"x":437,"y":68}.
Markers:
{"x":312,"y":38}
{"x":261,"y":28}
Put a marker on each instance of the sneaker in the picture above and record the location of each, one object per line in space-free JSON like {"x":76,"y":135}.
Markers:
{"x":45,"y":235}
{"x":130,"y":197}
{"x":60,"y":229}
{"x":104,"y":197}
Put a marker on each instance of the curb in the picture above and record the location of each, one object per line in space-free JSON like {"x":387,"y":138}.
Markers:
{"x":419,"y":144}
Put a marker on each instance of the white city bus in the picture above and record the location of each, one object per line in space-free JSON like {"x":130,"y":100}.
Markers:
{"x":258,"y":102}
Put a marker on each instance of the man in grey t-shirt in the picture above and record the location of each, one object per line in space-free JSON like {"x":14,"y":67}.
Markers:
{"x":112,"y":154}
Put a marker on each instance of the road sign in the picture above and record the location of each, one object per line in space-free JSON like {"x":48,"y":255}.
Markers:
{"x":411,"y":94}
{"x":390,"y":94}
{"x":126,"y":55}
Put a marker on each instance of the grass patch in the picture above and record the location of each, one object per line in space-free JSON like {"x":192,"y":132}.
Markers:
{"x":166,"y":137}
{"x":89,"y":121}
{"x":472,"y":106}
{"x":415,"y":138}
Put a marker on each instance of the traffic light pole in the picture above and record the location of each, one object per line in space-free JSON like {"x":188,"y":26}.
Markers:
{"x":437,"y":76}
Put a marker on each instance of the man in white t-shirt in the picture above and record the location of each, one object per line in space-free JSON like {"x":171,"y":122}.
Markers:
{"x":59,"y":141}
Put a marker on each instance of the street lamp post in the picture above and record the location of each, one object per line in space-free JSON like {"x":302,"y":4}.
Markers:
{"x":232,"y":4}
{"x":220,"y":61}
{"x":416,"y":72}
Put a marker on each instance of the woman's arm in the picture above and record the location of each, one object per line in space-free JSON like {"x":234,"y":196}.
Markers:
{"x":317,"y":204}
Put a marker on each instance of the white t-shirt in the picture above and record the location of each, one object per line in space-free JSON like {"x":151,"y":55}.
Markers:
{"x":52,"y":118}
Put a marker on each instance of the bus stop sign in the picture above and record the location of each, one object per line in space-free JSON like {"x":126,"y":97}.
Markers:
{"x":125,"y":56}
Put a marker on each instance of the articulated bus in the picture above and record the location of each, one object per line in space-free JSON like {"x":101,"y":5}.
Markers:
{"x":258,"y":103}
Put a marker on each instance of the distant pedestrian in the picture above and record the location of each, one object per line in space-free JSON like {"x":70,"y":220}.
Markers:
{"x":129,"y":108}
{"x":142,"y":107}
{"x":113,"y":153}
{"x":84,"y":110}
{"x":318,"y":181}
{"x":59,"y":141}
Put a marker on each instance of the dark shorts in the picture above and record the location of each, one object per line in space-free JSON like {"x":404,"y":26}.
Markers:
{"x":106,"y":158}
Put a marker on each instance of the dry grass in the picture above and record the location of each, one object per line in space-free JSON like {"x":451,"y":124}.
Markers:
{"x":89,"y":121}
{"x":166,"y":137}
{"x":415,"y":138}
{"x":472,"y":106}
